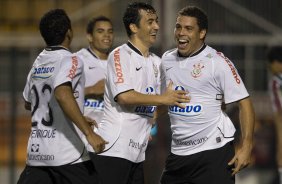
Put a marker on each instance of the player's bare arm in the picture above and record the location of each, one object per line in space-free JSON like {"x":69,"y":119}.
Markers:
{"x":65,"y":98}
{"x":170,"y":97}
{"x":91,"y":122}
{"x":161,"y":110}
{"x":96,"y":91}
{"x":242,"y":156}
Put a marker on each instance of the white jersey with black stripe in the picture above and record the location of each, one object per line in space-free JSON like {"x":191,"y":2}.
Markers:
{"x":210,"y":78}
{"x":54,"y":139}
{"x":127,"y":128}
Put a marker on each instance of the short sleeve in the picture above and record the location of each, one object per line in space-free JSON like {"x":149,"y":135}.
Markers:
{"x":70,"y":68}
{"x":118,"y":72}
{"x":228,"y":79}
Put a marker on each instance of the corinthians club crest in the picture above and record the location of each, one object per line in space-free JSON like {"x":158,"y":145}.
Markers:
{"x":197,"y":71}
{"x":156,"y":71}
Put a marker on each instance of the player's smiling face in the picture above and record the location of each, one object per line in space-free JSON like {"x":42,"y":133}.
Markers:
{"x":102,"y":36}
{"x":148,"y":27}
{"x":189,"y":38}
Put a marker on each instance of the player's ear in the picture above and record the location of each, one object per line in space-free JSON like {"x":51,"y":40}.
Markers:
{"x":69,"y":35}
{"x":203,"y":33}
{"x":133,"y":28}
{"x":89,"y":37}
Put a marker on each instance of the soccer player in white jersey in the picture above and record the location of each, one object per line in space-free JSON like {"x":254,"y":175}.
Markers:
{"x":275,"y":89}
{"x":132,"y":85}
{"x":201,"y":149}
{"x":54,"y":93}
{"x":100,"y":37}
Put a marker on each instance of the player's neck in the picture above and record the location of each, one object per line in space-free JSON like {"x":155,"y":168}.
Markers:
{"x":99,"y":54}
{"x":143,"y":48}
{"x":67,"y":46}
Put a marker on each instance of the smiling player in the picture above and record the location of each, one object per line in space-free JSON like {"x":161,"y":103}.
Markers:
{"x":202,"y":134}
{"x":132,"y":82}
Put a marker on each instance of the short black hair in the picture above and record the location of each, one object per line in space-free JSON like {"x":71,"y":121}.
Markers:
{"x":132,"y":14}
{"x":91,"y":24}
{"x":275,"y":54}
{"x":53,"y":26}
{"x":199,"y":14}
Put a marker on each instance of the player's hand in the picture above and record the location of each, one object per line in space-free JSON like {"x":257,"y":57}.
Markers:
{"x":91,"y":122}
{"x":97,"y":142}
{"x":177,"y":97}
{"x":241,"y":159}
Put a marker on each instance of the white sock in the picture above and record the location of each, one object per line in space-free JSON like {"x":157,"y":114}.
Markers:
{"x":280,"y":174}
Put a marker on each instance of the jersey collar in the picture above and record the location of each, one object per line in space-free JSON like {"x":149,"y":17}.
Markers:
{"x":92,"y":53}
{"x":195,"y":53}
{"x":134,"y":48}
{"x":54,"y":48}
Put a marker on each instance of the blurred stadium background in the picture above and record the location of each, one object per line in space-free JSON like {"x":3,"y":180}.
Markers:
{"x":241,"y":29}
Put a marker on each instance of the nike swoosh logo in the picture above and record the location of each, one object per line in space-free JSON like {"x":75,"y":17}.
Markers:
{"x":91,"y":67}
{"x":167,"y":69}
{"x":137,"y":69}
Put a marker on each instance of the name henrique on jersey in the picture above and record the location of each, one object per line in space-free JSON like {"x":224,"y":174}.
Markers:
{"x":54,"y":139}
{"x":127,"y":128}
{"x":210,"y":78}
{"x":95,"y":70}
{"x":275,"y":89}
